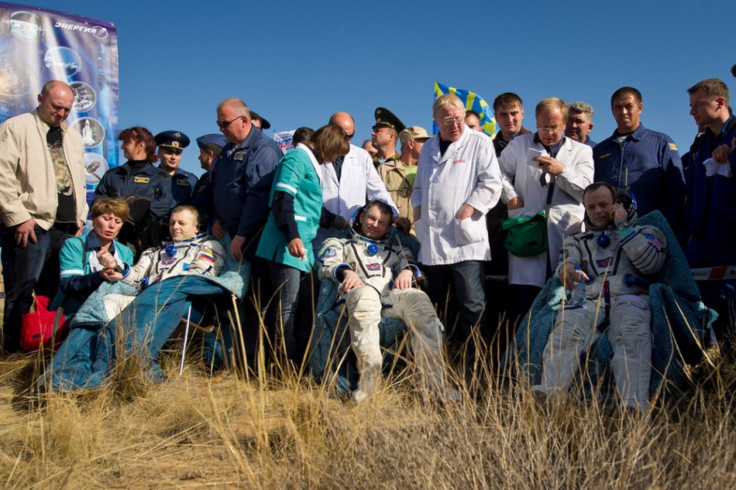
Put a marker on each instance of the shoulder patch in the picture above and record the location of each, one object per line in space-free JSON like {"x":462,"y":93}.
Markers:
{"x":672,"y":146}
{"x":654,"y":240}
{"x":329,"y":252}
{"x":207,"y":255}
{"x":141,"y":180}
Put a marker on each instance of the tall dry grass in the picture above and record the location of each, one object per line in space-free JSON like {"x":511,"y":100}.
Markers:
{"x":281,"y":431}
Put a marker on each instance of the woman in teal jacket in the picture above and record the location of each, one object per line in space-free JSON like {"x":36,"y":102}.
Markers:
{"x":80,"y":270}
{"x":296,"y":207}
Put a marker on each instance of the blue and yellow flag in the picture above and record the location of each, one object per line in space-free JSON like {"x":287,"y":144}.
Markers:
{"x":473,"y":102}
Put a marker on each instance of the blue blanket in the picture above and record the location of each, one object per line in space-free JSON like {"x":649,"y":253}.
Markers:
{"x":680,"y":327}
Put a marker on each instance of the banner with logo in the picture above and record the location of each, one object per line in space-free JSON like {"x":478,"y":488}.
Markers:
{"x":38,"y":45}
{"x":284,"y":140}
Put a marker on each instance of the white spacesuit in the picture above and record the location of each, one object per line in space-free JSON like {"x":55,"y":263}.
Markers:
{"x":377,"y":263}
{"x":616,"y":260}
{"x":195,"y":256}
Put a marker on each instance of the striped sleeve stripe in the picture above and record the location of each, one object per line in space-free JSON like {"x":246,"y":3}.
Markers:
{"x":287,"y":187}
{"x":629,"y":238}
{"x":71,"y":272}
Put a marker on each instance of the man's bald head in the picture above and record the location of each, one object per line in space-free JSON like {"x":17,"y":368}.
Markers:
{"x":55,"y":102}
{"x":345,"y":121}
{"x":53,"y":85}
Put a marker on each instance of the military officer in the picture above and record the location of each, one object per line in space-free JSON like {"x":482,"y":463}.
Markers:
{"x":385,"y":134}
{"x":170,"y":146}
{"x":210,"y":146}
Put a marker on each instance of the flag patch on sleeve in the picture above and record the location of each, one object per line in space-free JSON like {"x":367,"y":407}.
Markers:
{"x":207,"y":255}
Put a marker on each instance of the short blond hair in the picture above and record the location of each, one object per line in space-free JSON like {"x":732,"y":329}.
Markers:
{"x":186,"y":208}
{"x":446,"y":99}
{"x":106,"y":205}
{"x":550,"y":104}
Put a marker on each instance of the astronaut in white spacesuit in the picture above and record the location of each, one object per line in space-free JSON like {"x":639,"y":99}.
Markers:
{"x":376,"y":278}
{"x":613,"y":257}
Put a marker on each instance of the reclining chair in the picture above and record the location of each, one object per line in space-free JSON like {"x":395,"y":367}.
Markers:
{"x":680,"y":329}
{"x":331,"y":360}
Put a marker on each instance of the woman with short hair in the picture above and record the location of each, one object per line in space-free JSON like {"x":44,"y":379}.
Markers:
{"x":80,"y":269}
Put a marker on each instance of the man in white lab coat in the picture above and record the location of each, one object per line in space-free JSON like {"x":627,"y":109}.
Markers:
{"x":550,"y":173}
{"x":458,"y":181}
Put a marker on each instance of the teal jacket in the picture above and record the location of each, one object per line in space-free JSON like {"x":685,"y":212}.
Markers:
{"x":79,"y":270}
{"x":298,"y":175}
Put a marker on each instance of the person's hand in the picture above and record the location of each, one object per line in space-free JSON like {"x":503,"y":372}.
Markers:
{"x":350,"y":280}
{"x":217,"y":230}
{"x":465,"y":212}
{"x":723,"y":152}
{"x":106,"y":259}
{"x":110,"y":275}
{"x":515,"y":203}
{"x":549,"y":165}
{"x":236,"y":247}
{"x":618,"y":213}
{"x":297,"y":249}
{"x":568,"y":275}
{"x":404,"y":279}
{"x":403,"y":224}
{"x":25,"y":232}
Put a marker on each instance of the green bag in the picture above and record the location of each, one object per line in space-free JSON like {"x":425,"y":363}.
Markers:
{"x":526,"y":236}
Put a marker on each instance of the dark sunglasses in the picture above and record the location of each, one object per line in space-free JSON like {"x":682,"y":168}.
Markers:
{"x":225,"y":124}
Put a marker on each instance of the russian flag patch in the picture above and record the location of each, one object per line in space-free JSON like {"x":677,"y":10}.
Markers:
{"x":207,"y":255}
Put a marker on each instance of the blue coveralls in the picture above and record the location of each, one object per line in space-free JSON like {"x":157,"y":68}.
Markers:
{"x":240,"y":184}
{"x":149,"y":181}
{"x":183,"y":184}
{"x":648,"y":162}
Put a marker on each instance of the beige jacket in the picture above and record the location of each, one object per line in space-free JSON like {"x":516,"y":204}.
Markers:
{"x":27,"y":179}
{"x":394,"y":177}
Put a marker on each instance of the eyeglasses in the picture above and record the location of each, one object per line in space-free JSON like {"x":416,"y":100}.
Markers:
{"x":549,"y":129}
{"x":349,"y":136}
{"x":225,"y":124}
{"x":449,"y":121}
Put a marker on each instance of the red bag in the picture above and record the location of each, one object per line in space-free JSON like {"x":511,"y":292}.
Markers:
{"x":38,"y":326}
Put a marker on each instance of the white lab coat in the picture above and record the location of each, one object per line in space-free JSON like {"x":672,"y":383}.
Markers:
{"x":565,"y":209}
{"x":359,"y":183}
{"x":467,"y":173}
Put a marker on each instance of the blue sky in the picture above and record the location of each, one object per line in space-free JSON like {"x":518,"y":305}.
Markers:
{"x":298,"y":62}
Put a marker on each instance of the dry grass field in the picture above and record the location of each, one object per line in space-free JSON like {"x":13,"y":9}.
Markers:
{"x":283,"y":431}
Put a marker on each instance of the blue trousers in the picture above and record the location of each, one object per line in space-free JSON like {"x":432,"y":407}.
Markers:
{"x":87,"y":356}
{"x":25,"y":269}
